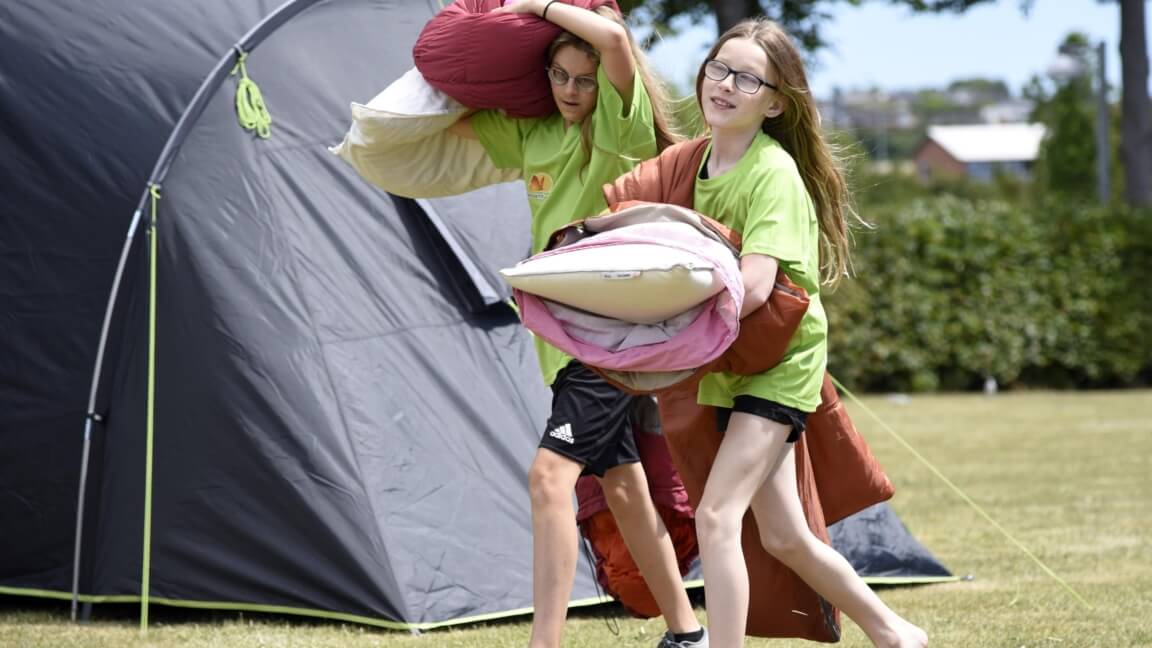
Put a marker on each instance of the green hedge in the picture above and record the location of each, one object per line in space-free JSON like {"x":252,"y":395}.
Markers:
{"x":949,"y":291}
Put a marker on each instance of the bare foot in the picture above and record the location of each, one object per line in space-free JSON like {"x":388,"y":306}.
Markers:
{"x":907,"y":636}
{"x":912,"y":637}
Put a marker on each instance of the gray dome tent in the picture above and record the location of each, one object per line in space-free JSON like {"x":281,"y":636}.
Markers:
{"x":338,"y":412}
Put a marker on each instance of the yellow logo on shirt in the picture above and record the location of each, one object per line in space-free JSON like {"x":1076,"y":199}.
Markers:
{"x":539,"y":186}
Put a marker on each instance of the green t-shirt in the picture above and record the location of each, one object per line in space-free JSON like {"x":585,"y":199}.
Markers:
{"x":561,"y":187}
{"x":764,"y":199}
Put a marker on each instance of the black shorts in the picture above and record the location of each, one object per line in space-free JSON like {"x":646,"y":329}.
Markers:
{"x":764,"y":408}
{"x":591,"y":421}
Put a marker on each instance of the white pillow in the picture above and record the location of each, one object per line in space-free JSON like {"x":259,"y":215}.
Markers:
{"x":636,"y":282}
{"x":399,"y":142}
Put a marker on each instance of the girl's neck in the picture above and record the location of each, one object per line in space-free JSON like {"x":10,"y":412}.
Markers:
{"x":727,"y":149}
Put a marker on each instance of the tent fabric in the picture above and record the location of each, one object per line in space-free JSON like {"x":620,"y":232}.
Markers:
{"x":327,"y":353}
{"x":882,"y":550}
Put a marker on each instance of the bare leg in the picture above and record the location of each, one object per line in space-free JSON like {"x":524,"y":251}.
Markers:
{"x":626,"y":489}
{"x":742,"y":464}
{"x":551,"y":480}
{"x":785,"y":534}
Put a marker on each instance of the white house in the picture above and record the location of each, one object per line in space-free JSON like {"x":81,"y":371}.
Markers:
{"x":979,"y":151}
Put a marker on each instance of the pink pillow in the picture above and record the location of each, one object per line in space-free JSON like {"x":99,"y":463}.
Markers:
{"x":699,"y":335}
{"x":485,"y":60}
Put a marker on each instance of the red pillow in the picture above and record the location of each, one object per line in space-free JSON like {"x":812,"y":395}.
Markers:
{"x":487,"y":60}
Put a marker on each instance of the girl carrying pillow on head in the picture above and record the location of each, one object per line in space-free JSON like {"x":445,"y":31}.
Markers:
{"x":611,"y":116}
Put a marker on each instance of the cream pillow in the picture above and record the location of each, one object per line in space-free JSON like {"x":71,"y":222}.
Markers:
{"x":399,"y":142}
{"x":643,"y":283}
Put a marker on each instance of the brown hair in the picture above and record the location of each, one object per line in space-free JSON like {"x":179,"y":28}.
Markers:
{"x":666,"y":133}
{"x":797,"y":129}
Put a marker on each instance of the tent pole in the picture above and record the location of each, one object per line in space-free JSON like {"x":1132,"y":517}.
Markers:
{"x":146,"y":568}
{"x":92,"y":415}
{"x":80,"y":516}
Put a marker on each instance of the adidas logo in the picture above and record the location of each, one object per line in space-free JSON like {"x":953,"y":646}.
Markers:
{"x":564,"y":433}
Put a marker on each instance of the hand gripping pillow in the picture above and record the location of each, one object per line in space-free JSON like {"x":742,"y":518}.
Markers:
{"x":491,"y":60}
{"x":604,"y":289}
{"x":399,"y":142}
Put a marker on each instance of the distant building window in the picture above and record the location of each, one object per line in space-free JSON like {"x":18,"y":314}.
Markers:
{"x":924,"y":170}
{"x":1019,"y":169}
{"x":980,"y":171}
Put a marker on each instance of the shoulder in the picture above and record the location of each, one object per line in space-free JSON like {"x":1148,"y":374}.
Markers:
{"x":687,"y":148}
{"x":614,"y":110}
{"x":498,"y":119}
{"x":772,"y":165}
{"x":771,"y":158}
{"x":550,"y":126}
{"x":607,"y":92}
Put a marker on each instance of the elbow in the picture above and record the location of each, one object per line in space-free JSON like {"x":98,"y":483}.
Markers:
{"x":761,"y":294}
{"x":759,"y":274}
{"x":754,"y":299}
{"x":614,"y":40}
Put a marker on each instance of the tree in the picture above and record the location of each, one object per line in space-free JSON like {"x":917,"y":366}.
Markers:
{"x":1067,"y":156}
{"x":1135,"y":105}
{"x":803,"y":18}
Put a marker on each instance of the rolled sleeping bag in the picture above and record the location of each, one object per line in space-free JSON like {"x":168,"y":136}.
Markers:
{"x":616,"y":569}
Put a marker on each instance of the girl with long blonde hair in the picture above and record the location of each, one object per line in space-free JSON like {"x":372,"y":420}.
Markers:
{"x":769,"y":175}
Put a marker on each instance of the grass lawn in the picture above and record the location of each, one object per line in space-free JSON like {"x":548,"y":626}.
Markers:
{"x":1068,"y":474}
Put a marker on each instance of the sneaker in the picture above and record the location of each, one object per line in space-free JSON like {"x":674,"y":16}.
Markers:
{"x":669,"y":641}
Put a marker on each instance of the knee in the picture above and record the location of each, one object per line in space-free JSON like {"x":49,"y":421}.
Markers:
{"x":548,"y":483}
{"x":714,"y":524}
{"x":621,"y":496}
{"x":783,"y":544}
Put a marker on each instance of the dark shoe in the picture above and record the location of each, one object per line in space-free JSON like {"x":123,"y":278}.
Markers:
{"x":669,"y":641}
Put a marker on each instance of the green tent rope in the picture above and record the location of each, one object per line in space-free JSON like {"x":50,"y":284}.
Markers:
{"x":250,"y":109}
{"x":146,"y":562}
{"x":964,"y":496}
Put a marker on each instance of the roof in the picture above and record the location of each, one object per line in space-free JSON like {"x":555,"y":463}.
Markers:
{"x":989,"y":142}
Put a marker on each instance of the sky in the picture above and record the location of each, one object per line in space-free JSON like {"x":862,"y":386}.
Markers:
{"x":885,"y":46}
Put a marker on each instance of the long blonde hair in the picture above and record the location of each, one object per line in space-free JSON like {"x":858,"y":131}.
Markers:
{"x":666,"y":133}
{"x":797,"y":129}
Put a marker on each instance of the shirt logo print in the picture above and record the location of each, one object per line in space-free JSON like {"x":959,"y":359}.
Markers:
{"x":539,"y":186}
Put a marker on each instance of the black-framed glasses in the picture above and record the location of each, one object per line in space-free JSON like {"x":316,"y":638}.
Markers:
{"x":745,"y":81}
{"x":560,"y":76}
